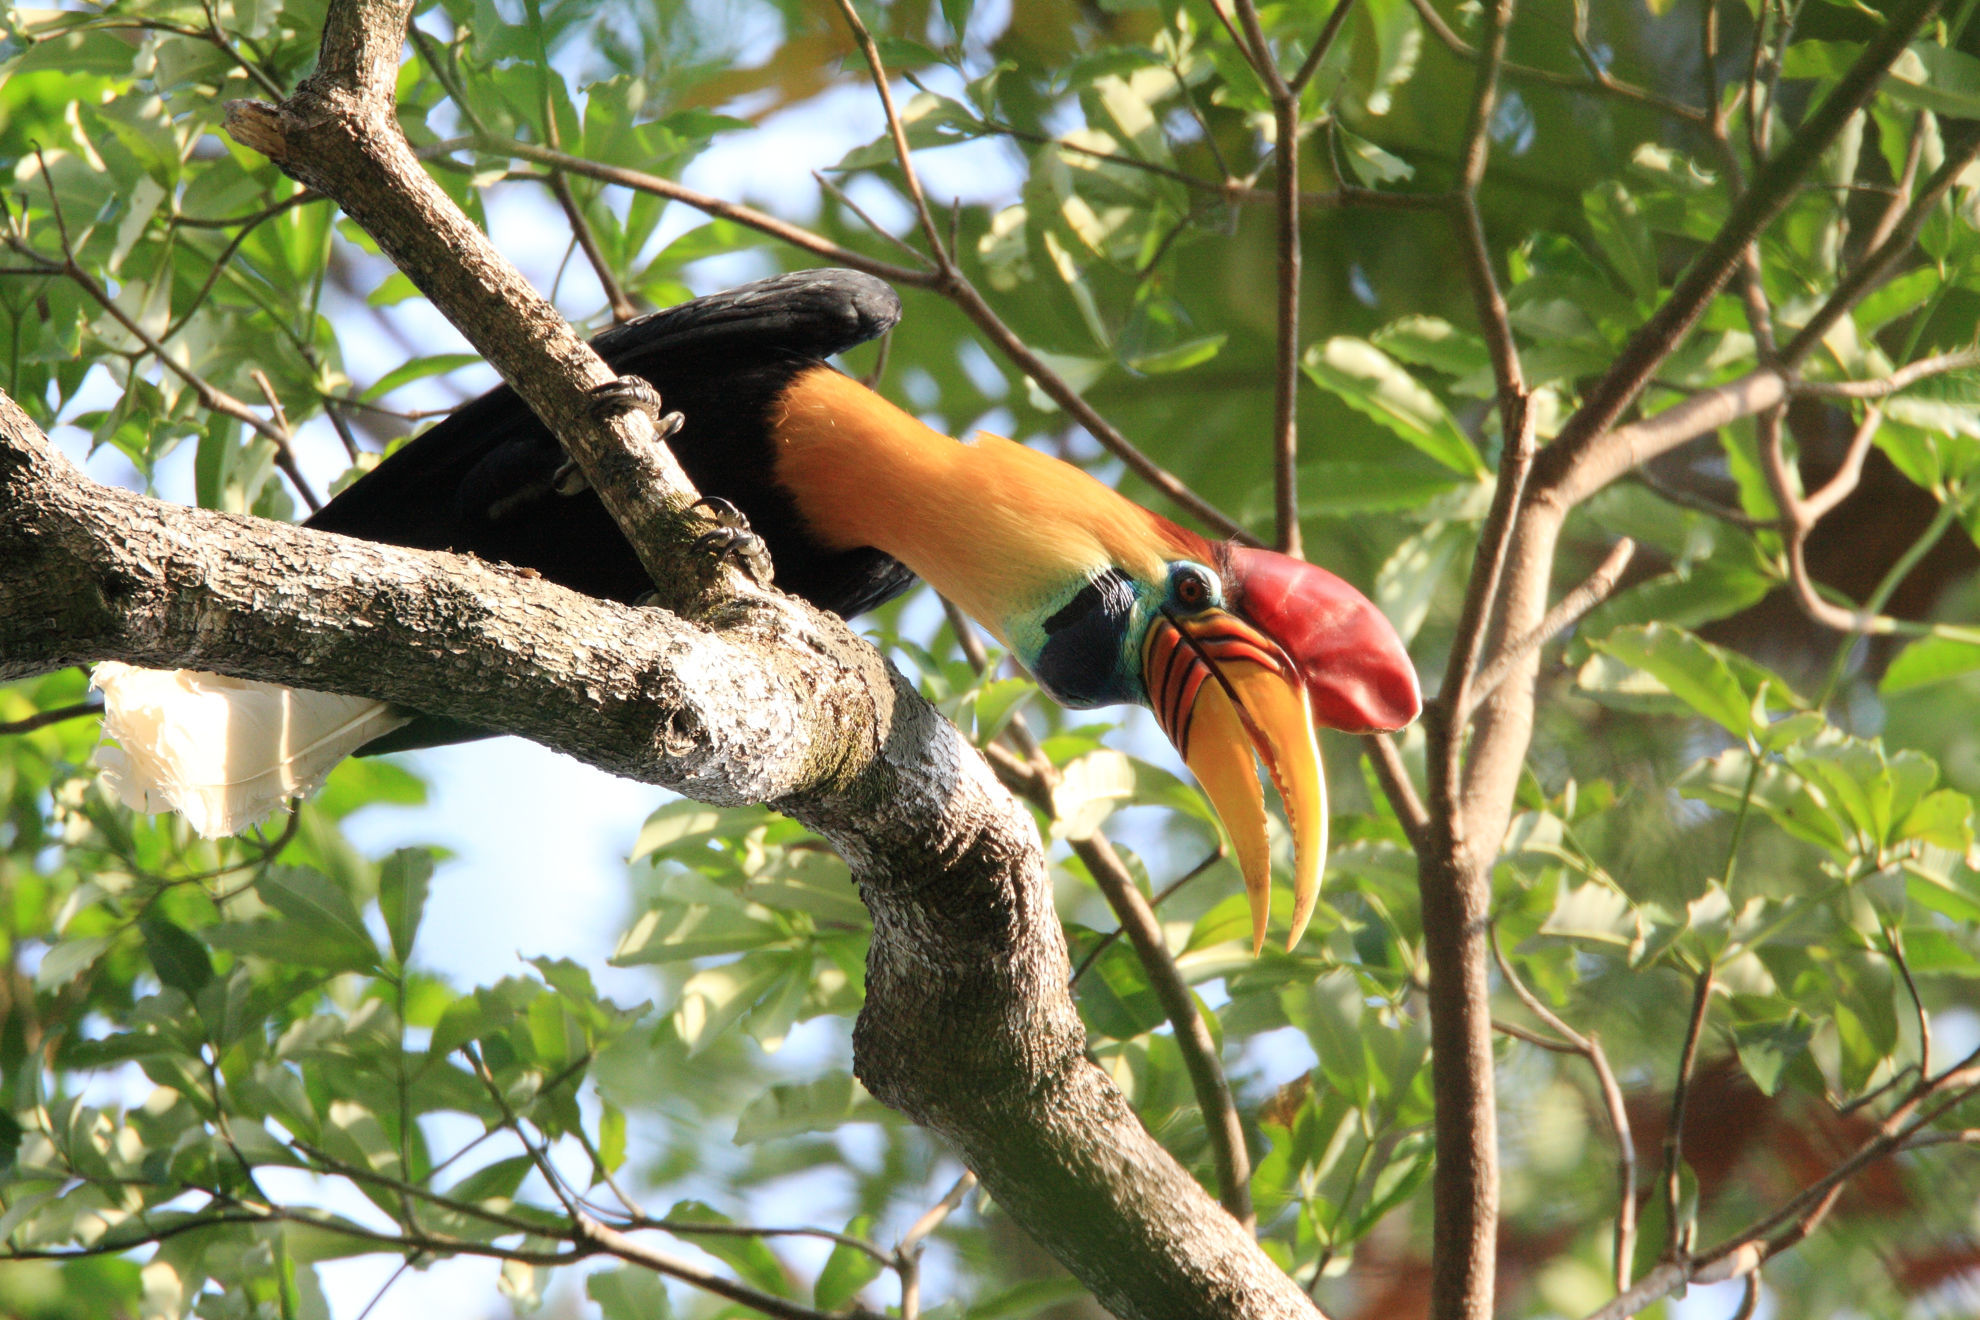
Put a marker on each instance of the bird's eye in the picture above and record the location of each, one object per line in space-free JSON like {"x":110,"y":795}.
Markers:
{"x":1192,"y":589}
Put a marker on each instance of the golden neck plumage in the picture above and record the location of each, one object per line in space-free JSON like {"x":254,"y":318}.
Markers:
{"x":994,"y":526}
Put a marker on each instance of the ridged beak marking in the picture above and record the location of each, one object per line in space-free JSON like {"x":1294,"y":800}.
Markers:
{"x":1222,"y":690}
{"x":1292,"y":646}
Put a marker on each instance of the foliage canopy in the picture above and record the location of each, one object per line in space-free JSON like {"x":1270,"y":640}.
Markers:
{"x":1728,"y":801}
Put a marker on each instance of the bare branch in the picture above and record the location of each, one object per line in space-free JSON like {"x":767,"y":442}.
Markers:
{"x":1678,"y":1241}
{"x":1396,"y":786}
{"x":1193,"y":1041}
{"x":1590,"y":1048}
{"x":1199,"y":1050}
{"x":1563,"y":616}
{"x":615,"y":294}
{"x":41,"y":719}
{"x":602,"y":1237}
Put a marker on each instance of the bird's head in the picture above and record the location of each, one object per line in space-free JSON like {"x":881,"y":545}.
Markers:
{"x":1239,"y":652}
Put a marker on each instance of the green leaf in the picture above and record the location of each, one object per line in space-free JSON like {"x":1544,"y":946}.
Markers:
{"x":1026,"y":1299}
{"x":1694,"y":672}
{"x":1595,"y":912}
{"x":747,"y":1256}
{"x":1429,"y":341}
{"x":1376,"y":385}
{"x":420,"y":368}
{"x":682,"y":826}
{"x":1766,"y":1047}
{"x":402,"y":883}
{"x":69,"y":959}
{"x":1340,"y":489}
{"x":1088,"y":790}
{"x":1622,"y":235}
{"x":789,"y":1109}
{"x":1943,"y":819}
{"x":311,"y":901}
{"x":611,"y":1136}
{"x":1936,"y":78}
{"x":1372,"y":165}
{"x":629,"y":1293}
{"x":930,"y":121}
{"x":1179,"y":357}
{"x":1728,"y":782}
{"x":178,"y":958}
{"x":847,"y":1269}
{"x":1929,"y":660}
{"x":1115,"y":995}
{"x":496,"y":1181}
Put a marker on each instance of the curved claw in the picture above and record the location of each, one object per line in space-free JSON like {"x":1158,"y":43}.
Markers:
{"x":626,"y":394}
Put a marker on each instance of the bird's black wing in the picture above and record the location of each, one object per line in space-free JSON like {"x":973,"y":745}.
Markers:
{"x":481,"y":480}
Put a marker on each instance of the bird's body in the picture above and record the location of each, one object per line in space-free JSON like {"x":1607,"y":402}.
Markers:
{"x":1237,"y":651}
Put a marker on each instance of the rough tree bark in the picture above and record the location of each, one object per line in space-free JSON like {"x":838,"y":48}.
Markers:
{"x":968,"y":1026}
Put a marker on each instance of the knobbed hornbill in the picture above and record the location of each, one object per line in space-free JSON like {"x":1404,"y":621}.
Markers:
{"x":1238,"y":651}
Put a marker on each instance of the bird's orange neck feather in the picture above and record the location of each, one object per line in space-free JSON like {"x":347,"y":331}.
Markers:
{"x":992,"y":525}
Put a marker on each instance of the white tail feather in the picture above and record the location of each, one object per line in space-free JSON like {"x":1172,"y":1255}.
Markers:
{"x":224,"y":752}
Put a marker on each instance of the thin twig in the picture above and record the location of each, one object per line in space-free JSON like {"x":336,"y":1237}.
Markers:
{"x":1590,"y":1048}
{"x":1565,"y":614}
{"x":1878,"y":263}
{"x":1285,"y":373}
{"x":944,"y":260}
{"x":1396,"y":786}
{"x":211,"y":396}
{"x":623,"y":308}
{"x":1896,"y":942}
{"x":1213,"y":1094}
{"x":839,"y":195}
{"x":1454,"y":703}
{"x":1885,"y":386}
{"x":1887,"y":221}
{"x":602,"y":1237}
{"x":1106,"y":941}
{"x":1329,"y":34}
{"x":221,"y":264}
{"x":43,"y":718}
{"x":763,"y":223}
{"x":906,"y":1259}
{"x":285,"y":453}
{"x":1678,"y":1240}
{"x":931,"y":1218}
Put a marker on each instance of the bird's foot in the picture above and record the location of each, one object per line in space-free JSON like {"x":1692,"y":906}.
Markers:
{"x":635,"y":394}
{"x":626,"y":394}
{"x":732,"y":539}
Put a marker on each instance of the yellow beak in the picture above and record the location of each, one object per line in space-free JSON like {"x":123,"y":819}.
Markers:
{"x":1224,"y":691}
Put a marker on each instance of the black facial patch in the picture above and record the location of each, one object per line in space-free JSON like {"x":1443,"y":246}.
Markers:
{"x":1080,"y":664}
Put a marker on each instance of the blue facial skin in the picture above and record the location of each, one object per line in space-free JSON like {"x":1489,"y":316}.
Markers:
{"x":1090,"y":654}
